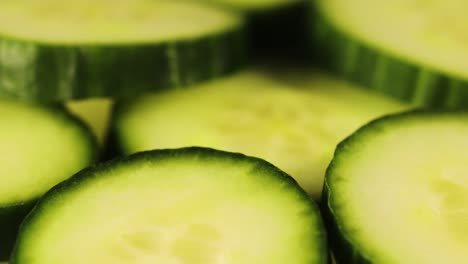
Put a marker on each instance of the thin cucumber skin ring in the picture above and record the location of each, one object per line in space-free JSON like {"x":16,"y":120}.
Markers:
{"x":51,"y":73}
{"x":385,"y":73}
{"x":12,"y":216}
{"x":344,"y":248}
{"x":161,"y":154}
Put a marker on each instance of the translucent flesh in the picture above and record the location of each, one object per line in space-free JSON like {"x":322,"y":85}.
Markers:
{"x":110,"y":21}
{"x":296,"y":126}
{"x":432,"y":33}
{"x":400,"y":191}
{"x":39,"y":148}
{"x":175,"y":211}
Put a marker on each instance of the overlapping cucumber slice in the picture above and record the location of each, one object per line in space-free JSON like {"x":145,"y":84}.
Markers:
{"x":54,"y":50}
{"x":412,"y":50}
{"x":40,"y":147}
{"x":175,"y":206}
{"x":396,"y":191}
{"x":292,"y":117}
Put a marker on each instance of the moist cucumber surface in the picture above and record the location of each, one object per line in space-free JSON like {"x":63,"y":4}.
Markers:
{"x":109,"y":22}
{"x":41,"y":146}
{"x":175,"y":206}
{"x":412,"y":50}
{"x":53,"y":50}
{"x":291,"y":118}
{"x":396,"y":191}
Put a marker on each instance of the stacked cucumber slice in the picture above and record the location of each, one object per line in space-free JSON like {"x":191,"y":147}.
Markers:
{"x":40,"y":147}
{"x":54,"y":50}
{"x":175,"y":206}
{"x":396,"y":191}
{"x":412,"y":50}
{"x":222,"y":137}
{"x":293,"y":120}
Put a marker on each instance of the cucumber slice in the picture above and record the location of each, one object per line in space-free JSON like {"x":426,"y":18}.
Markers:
{"x":412,"y":50}
{"x":40,"y":147}
{"x":95,"y":113}
{"x":292,"y":120}
{"x":54,"y":50}
{"x":396,"y":191}
{"x":175,"y":206}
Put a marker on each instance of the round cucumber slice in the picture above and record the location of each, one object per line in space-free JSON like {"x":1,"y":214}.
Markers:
{"x":54,"y":50}
{"x":411,"y":50}
{"x":291,"y":118}
{"x":41,"y":146}
{"x":396,"y":191}
{"x":175,"y":206}
{"x":109,"y":22}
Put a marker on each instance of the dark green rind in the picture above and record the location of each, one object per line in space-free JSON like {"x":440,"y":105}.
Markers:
{"x":88,"y":174}
{"x":366,"y":65}
{"x":344,"y":249}
{"x":12,"y":216}
{"x":47,"y":73}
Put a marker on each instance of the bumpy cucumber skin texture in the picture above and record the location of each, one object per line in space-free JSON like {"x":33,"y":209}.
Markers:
{"x":46,"y":73}
{"x":12,"y":216}
{"x":358,"y":62}
{"x":344,"y":249}
{"x":73,"y":184}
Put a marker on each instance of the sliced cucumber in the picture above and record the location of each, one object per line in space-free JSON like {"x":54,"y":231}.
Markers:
{"x":95,"y":113}
{"x":55,"y":50}
{"x":175,"y":206}
{"x":291,"y":120}
{"x":412,"y":50}
{"x":396,"y":191}
{"x":40,"y":147}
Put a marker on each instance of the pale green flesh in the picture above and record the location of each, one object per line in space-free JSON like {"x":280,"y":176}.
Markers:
{"x":255,"y":5}
{"x":110,"y":21}
{"x":401,"y":192}
{"x":39,"y":149}
{"x":296,"y":126}
{"x":95,"y":113}
{"x":175,"y":212}
{"x":430,"y":33}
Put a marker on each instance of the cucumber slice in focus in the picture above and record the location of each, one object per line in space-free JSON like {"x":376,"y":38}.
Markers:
{"x":175,"y":206}
{"x":54,"y":50}
{"x":293,"y":118}
{"x":40,"y":147}
{"x":410,"y":49}
{"x":396,"y":191}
